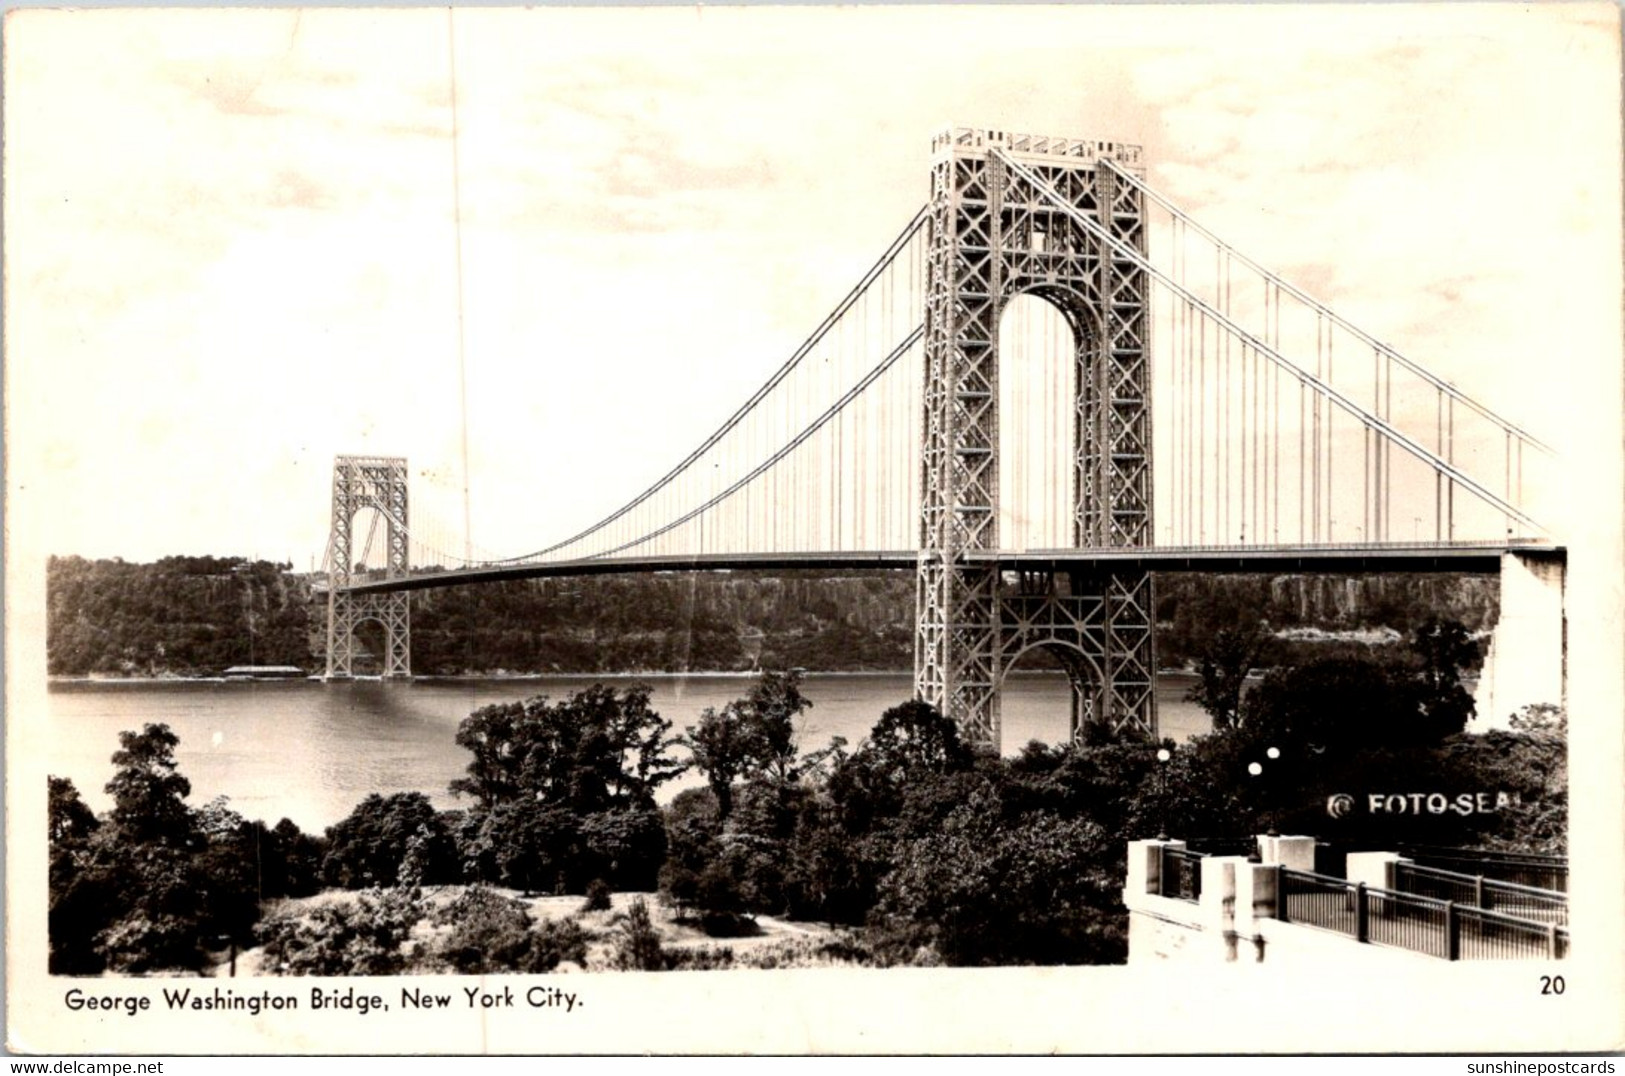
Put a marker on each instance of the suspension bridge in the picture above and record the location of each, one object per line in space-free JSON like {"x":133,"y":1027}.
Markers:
{"x":1051,"y":384}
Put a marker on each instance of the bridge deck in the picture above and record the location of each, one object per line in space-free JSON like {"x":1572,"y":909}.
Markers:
{"x":1476,"y":557}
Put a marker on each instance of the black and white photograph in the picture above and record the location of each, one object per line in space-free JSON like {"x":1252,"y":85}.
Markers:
{"x":814,"y":530}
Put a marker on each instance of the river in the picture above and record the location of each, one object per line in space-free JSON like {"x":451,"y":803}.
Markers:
{"x":310,"y":751}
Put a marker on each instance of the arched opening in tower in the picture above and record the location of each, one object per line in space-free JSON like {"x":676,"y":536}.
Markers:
{"x":369,"y":544}
{"x":1037,"y":419}
{"x":1037,"y":696}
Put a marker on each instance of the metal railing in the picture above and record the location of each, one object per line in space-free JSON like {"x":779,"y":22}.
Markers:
{"x":1537,"y":871}
{"x":1486,"y":894}
{"x":1446,"y":929}
{"x":1179,"y":874}
{"x":1319,"y":900}
{"x":1223,"y":846}
{"x":1402,"y":921}
{"x":1486,"y":935}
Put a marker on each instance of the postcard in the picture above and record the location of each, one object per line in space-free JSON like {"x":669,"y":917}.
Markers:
{"x":814,"y":530}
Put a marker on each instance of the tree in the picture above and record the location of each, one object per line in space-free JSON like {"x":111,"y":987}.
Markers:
{"x":770,"y":711}
{"x":492,"y":735}
{"x":1443,"y":650}
{"x":298,"y":862}
{"x":1334,"y":705}
{"x":722,"y":747}
{"x":81,"y":893}
{"x":600,"y":749}
{"x":1223,"y":669}
{"x":995,"y":884}
{"x":693,"y":826}
{"x":71,"y":821}
{"x":537,"y":844}
{"x":148,"y":793}
{"x":624,"y":847}
{"x":909,"y":741}
{"x":915,"y":738}
{"x":371,"y":846}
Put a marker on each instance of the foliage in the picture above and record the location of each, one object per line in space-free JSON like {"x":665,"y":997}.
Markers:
{"x":693,"y":827}
{"x":770,"y":712}
{"x":1530,"y":760}
{"x":598,"y":750}
{"x":156,"y":886}
{"x":994,"y":887}
{"x":670,"y":621}
{"x":910,"y":741}
{"x":71,"y":821}
{"x":80,"y":894}
{"x":526,"y":844}
{"x":755,"y":738}
{"x":383,"y":835}
{"x":492,"y":934}
{"x":625,"y":847}
{"x":555,"y":942}
{"x":159,"y":885}
{"x":1442,"y":651}
{"x":598,"y":894}
{"x":1223,"y":667}
{"x":365,"y":936}
{"x":722,"y":746}
{"x":184,"y":615}
{"x":149,"y":794}
{"x":1338,"y":705}
{"x":1192,"y":608}
{"x":637,"y":942}
{"x":914,"y":739}
{"x":703,"y":958}
{"x":159,"y":908}
{"x":199,"y":615}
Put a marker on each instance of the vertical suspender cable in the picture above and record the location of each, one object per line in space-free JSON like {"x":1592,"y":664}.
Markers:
{"x":462,"y":340}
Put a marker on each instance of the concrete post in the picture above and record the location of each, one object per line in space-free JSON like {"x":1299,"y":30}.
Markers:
{"x":1219,"y":907}
{"x":1375,"y":869}
{"x":1255,"y":901}
{"x":1527,"y":659}
{"x":1145,"y":866}
{"x":1293,"y":853}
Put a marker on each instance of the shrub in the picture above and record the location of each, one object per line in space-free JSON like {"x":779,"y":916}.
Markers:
{"x":705,"y":958}
{"x":637,"y":943}
{"x":363,"y":938}
{"x":555,"y":942}
{"x":598,"y":894}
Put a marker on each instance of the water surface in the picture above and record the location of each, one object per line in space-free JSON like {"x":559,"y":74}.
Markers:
{"x":310,"y":751}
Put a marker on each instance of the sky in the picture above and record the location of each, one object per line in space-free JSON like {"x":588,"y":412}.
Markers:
{"x":238,"y":243}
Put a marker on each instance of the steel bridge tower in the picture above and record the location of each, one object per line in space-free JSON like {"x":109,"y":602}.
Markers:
{"x":379,"y":483}
{"x":993,"y":237}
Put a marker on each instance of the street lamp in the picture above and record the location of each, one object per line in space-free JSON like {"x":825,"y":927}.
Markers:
{"x":1163,"y":757}
{"x":1256,"y":769}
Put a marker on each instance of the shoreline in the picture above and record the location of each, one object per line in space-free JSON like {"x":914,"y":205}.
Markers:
{"x":159,"y":681}
{"x":134,"y":682}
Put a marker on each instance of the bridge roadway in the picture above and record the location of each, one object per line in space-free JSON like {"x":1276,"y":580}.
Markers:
{"x":1476,"y":557}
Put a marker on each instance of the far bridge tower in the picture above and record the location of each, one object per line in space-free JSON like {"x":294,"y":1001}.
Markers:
{"x":378,"y":483}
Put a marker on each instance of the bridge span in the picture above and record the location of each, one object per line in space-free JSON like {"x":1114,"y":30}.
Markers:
{"x":980,"y":405}
{"x":1476,"y":557}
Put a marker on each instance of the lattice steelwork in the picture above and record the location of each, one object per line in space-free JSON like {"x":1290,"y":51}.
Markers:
{"x":995,"y":235}
{"x":377,"y":482}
